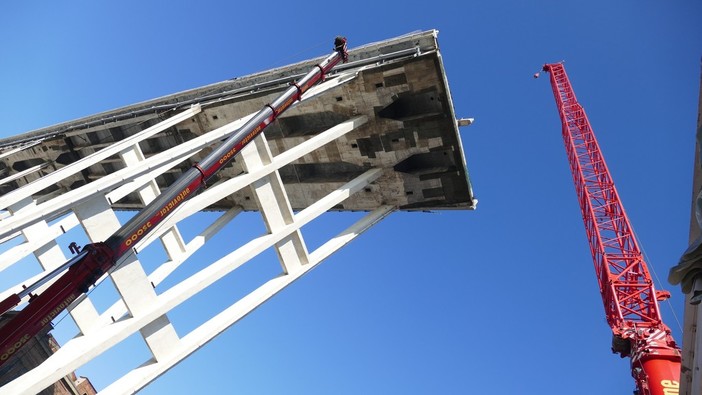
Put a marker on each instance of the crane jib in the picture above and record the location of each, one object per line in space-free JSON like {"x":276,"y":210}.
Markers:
{"x":98,"y":258}
{"x":626,"y":287}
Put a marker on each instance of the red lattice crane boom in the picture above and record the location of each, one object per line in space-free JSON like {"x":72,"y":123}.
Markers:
{"x":629,"y":297}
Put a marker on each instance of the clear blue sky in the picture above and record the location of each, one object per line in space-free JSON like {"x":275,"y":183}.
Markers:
{"x":502,"y":300}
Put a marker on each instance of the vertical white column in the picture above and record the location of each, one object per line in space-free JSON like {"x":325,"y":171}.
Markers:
{"x":274,"y":205}
{"x":129,"y":277}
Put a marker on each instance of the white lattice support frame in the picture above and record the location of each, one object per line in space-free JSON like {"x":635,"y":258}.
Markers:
{"x":48,"y":254}
{"x":118,"y":184}
{"x":171,"y":240}
{"x":14,"y":254}
{"x":30,"y":218}
{"x":139,"y":307}
{"x":23,"y":173}
{"x":274,"y":205}
{"x":129,"y":277}
{"x":149,"y":371}
{"x":81,"y":349}
{"x":219,"y":191}
{"x":46,"y":251}
{"x":81,"y":164}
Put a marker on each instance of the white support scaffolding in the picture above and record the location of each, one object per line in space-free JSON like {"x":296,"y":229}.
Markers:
{"x":142,"y":307}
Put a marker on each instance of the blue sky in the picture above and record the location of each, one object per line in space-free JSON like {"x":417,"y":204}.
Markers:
{"x":501,"y":300}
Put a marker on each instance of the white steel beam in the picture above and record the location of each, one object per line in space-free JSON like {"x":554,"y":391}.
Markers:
{"x":118,"y":184}
{"x":224,"y":188}
{"x":123,"y":182}
{"x":14,"y":254}
{"x":61,"y":204}
{"x":49,"y":254}
{"x":220,"y":190}
{"x":171,"y":239}
{"x":20,"y":148}
{"x":45,"y":250}
{"x":139,"y":308}
{"x":84,"y":163}
{"x":118,"y":309}
{"x":22,"y":174}
{"x":274,"y":204}
{"x":129,"y":277}
{"x":140,"y":377}
{"x":81,"y":349}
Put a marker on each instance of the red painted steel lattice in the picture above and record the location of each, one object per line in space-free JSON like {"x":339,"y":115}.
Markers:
{"x":628,"y":294}
{"x":624,"y":280}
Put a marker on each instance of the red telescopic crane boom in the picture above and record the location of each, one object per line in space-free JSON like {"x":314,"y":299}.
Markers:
{"x":628,"y":294}
{"x":99,"y":258}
